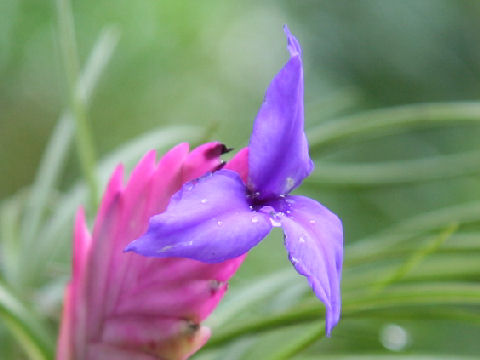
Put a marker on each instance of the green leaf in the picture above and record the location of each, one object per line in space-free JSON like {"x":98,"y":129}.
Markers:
{"x":53,"y":159}
{"x":35,"y":339}
{"x":413,"y":227}
{"x":395,"y":172}
{"x":416,"y":258}
{"x":41,"y":191}
{"x":10,"y":212}
{"x":438,"y":293}
{"x":302,"y":339}
{"x":241,"y":299}
{"x":387,"y":121}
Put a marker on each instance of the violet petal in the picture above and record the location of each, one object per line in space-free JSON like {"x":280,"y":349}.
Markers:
{"x":278,"y":149}
{"x":314,"y":242}
{"x":209,"y":220}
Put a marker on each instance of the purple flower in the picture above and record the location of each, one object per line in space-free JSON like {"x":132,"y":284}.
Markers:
{"x":224,"y":214}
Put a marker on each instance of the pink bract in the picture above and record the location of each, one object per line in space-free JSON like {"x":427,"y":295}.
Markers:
{"x":125,"y":306}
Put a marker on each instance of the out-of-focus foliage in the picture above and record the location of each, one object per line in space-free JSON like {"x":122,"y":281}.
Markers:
{"x":394,"y":141}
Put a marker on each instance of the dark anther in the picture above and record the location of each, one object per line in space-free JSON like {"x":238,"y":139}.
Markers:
{"x":218,"y":150}
{"x":219,"y":167}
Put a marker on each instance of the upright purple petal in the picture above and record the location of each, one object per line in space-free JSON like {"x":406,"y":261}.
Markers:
{"x":209,"y":220}
{"x":314,"y":241}
{"x":278,"y":149}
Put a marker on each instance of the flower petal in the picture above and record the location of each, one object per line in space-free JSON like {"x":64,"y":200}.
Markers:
{"x":314,"y":241}
{"x":278,"y":155}
{"x":239,"y":164}
{"x":207,"y":220}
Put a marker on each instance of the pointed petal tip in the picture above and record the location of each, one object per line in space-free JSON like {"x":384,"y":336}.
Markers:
{"x":293,"y":45}
{"x":130,"y":247}
{"x":314,"y":241}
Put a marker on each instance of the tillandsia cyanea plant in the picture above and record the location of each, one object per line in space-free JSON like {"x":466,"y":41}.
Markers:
{"x":223,"y":214}
{"x":126,"y":306}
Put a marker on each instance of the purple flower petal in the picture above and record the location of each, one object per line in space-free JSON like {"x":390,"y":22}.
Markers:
{"x":278,"y":149}
{"x":209,"y":220}
{"x":314,"y":241}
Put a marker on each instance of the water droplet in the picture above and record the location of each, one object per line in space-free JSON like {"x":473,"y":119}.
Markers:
{"x":290,"y":183}
{"x":275,"y":219}
{"x":312,"y":221}
{"x":394,"y":337}
{"x":301,"y":239}
{"x":165,"y":248}
{"x":290,"y":202}
{"x":215,"y":285}
{"x":203,"y":201}
{"x":275,"y":222}
{"x":219,"y":223}
{"x":294,"y":260}
{"x":255,"y":219}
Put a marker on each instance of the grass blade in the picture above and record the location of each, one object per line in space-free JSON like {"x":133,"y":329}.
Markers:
{"x":57,"y":149}
{"x":393,"y":298}
{"x":77,"y":104}
{"x":415,"y":226}
{"x":396,"y":172}
{"x":35,"y":339}
{"x":301,"y":342}
{"x":415,"y":259}
{"x":240,"y":299}
{"x":387,"y":121}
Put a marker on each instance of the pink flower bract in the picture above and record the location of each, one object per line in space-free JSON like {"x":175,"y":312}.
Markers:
{"x":125,"y":306}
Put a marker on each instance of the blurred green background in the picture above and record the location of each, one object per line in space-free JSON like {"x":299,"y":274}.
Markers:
{"x":208,"y":63}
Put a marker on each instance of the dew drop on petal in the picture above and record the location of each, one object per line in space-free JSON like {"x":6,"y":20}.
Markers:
{"x":219,"y":223}
{"x":312,"y":221}
{"x":274,"y":220}
{"x":290,"y":182}
{"x":255,"y":219}
{"x":294,"y":260}
{"x":301,"y":239}
{"x":165,"y":248}
{"x":274,"y":223}
{"x":203,"y":201}
{"x":290,"y":202}
{"x":214,"y":285}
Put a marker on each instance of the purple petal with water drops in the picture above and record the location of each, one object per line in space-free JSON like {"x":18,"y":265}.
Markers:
{"x":314,"y":242}
{"x":209,"y":220}
{"x":278,"y":149}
